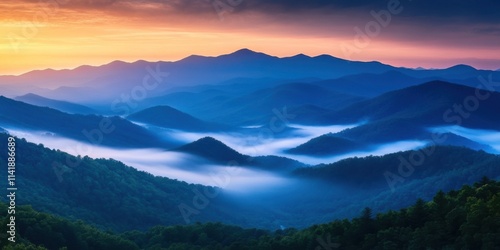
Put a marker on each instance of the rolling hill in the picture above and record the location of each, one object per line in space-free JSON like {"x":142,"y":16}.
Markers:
{"x":372,"y":135}
{"x":101,"y":83}
{"x":454,"y":166}
{"x":429,"y":104}
{"x":407,"y":114}
{"x":168,"y":117}
{"x":93,"y":129}
{"x":63,"y":106}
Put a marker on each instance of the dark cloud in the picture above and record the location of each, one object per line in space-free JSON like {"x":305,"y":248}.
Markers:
{"x":486,"y":11}
{"x":468,"y":10}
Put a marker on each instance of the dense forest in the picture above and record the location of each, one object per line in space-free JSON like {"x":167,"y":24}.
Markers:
{"x":105,"y":192}
{"x":112,"y":196}
{"x":468,"y":218}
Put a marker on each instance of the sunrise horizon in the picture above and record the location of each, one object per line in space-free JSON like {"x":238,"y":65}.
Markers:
{"x":250,"y":124}
{"x":68,"y":34}
{"x":131,"y":61}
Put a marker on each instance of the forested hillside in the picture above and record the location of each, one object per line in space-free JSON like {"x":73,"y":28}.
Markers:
{"x":104,"y":192}
{"x":468,"y":218}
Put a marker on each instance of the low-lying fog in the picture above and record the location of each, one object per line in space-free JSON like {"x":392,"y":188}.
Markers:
{"x":174,"y":165}
{"x":257,"y":143}
{"x":270,"y":193}
{"x":193,"y":169}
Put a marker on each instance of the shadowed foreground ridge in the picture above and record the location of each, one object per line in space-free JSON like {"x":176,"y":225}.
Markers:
{"x":463,"y":219}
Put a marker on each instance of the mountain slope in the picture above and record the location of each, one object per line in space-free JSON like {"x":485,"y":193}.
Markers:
{"x":261,"y":105}
{"x":98,"y":130}
{"x":408,"y":114}
{"x":371,"y":85}
{"x":442,"y":162}
{"x":168,"y":117}
{"x":373,"y":134}
{"x":327,"y":144}
{"x":121,"y":77}
{"x":63,"y":106}
{"x":102,"y":192}
{"x":431,"y":103}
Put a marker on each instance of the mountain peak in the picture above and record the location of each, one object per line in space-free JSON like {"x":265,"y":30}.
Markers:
{"x":209,"y":140}
{"x":462,"y":68}
{"x":211,"y":143}
{"x":245,"y":53}
{"x":29,"y":95}
{"x":213,"y":149}
{"x":161,"y":108}
{"x":300,"y":56}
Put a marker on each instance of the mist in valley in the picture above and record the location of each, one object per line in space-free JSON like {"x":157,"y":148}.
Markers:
{"x":292,"y":200}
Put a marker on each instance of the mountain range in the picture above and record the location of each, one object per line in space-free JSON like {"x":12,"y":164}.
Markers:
{"x":407,"y":114}
{"x":104,"y":84}
{"x":316,"y":139}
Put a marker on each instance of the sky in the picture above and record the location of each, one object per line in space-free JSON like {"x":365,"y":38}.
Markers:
{"x":39,"y":34}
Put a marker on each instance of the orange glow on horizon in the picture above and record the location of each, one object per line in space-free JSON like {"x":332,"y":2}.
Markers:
{"x":62,"y":38}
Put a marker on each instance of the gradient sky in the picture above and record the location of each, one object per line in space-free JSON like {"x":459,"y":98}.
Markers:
{"x":39,"y":34}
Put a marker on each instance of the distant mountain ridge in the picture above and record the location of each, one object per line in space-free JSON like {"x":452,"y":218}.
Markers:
{"x":428,"y":102}
{"x":102,"y":82}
